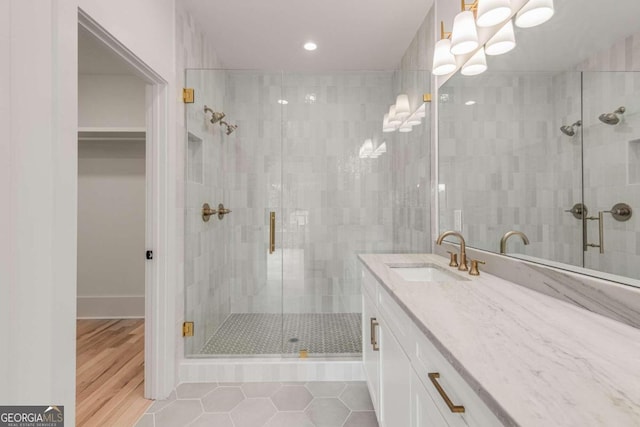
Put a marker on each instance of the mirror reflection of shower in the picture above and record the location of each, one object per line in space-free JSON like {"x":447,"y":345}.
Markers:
{"x":571,"y":130}
{"x":612,"y":118}
{"x":216,"y":117}
{"x":230,"y":128}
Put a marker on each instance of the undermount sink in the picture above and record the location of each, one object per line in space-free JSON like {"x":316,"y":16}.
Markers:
{"x":422,"y":272}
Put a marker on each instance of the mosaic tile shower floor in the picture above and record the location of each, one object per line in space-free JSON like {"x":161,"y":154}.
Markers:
{"x":265,"y":333}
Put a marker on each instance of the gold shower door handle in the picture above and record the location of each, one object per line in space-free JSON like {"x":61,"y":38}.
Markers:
{"x":272,"y":232}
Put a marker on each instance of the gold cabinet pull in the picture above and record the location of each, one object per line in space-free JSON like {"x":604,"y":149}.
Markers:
{"x":374,"y":340}
{"x":433,"y":376}
{"x":272,"y":232}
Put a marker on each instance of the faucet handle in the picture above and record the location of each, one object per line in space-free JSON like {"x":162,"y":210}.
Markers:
{"x":453,"y":259}
{"x":473,"y":271}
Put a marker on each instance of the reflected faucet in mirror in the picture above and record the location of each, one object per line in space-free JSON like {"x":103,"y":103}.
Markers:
{"x":505,"y":237}
{"x":463,"y":250}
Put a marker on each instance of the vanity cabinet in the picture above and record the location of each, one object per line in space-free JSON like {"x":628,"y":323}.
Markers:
{"x":411,"y":383}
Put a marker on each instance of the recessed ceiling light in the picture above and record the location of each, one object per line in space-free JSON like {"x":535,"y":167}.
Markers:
{"x":310,"y":46}
{"x":283,"y":101}
{"x":470,"y":102}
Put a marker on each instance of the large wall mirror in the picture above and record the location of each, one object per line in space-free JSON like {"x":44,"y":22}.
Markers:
{"x":525,"y":145}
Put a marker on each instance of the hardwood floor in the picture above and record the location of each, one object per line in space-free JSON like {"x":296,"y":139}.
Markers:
{"x":110,"y":372}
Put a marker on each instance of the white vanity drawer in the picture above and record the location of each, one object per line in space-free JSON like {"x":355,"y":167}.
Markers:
{"x":428,"y":359}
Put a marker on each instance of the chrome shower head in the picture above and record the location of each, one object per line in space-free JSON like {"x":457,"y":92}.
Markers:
{"x":570,"y":130}
{"x":215,"y":116}
{"x":612,"y":118}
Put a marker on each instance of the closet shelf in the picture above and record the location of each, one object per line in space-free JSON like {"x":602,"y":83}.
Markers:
{"x":124,"y":133}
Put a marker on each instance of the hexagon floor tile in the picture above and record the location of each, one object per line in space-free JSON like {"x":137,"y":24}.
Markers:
{"x":311,"y":404}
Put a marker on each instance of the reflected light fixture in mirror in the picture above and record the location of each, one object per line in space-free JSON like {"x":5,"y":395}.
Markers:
{"x":443,"y":60}
{"x":535,"y":12}
{"x":386,"y":127}
{"x":393,"y":119}
{"x":477,"y":64}
{"x":492,"y":12}
{"x":402,"y":106}
{"x":405,"y":127}
{"x":502,"y":42}
{"x":464,"y":36}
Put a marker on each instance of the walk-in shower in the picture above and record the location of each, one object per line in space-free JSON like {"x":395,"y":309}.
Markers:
{"x":279,"y":276}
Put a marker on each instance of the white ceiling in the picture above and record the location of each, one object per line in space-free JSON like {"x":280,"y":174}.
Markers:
{"x":95,"y":58}
{"x":269,"y":34}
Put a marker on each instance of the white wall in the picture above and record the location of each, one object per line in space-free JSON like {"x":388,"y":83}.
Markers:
{"x":38,"y":193}
{"x":111,"y":228}
{"x":111,"y":101}
{"x":39,"y":183}
{"x":111,"y":199}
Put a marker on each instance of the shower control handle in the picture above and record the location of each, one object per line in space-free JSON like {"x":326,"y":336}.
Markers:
{"x":207,"y":212}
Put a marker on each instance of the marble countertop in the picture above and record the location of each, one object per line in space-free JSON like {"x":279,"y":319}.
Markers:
{"x":533,"y":359}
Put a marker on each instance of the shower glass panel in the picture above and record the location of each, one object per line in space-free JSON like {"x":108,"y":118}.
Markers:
{"x":612,"y":170}
{"x":233,"y":282}
{"x":296,"y":156}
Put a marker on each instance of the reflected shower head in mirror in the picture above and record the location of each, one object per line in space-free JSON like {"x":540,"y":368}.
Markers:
{"x":571,"y":130}
{"x":215,"y":116}
{"x":230,"y":128}
{"x":612,"y":118}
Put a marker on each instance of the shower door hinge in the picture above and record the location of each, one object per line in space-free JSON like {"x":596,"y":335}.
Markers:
{"x":188,"y":95}
{"x":187,"y":329}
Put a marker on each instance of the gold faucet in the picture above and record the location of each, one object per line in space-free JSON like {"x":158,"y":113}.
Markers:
{"x":463,"y":249}
{"x":503,"y":241}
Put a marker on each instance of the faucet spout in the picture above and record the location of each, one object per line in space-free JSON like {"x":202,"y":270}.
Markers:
{"x":463,"y":249}
{"x":503,"y":240}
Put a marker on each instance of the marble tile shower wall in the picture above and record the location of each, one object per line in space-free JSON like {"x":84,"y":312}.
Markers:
{"x":330,"y":204}
{"x":611,"y":166}
{"x":195,"y":255}
{"x":253,"y":179}
{"x":505,"y":172}
{"x":411,"y":156}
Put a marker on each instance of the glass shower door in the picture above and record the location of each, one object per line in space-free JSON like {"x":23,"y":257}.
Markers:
{"x":233,"y":277}
{"x":611,"y":156}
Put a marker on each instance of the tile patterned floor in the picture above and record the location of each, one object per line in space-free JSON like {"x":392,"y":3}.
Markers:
{"x":263,"y":333}
{"x":312,"y":404}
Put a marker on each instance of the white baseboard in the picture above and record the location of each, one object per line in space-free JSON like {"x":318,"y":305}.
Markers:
{"x":111,"y":307}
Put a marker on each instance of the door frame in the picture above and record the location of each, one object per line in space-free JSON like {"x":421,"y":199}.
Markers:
{"x":157,"y":349}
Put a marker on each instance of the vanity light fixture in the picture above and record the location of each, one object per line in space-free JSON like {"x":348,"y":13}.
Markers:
{"x":444,"y":62}
{"x":464,"y":37}
{"x":535,"y":12}
{"x":492,"y":12}
{"x":477,"y":64}
{"x":405,"y":127}
{"x":502,"y":42}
